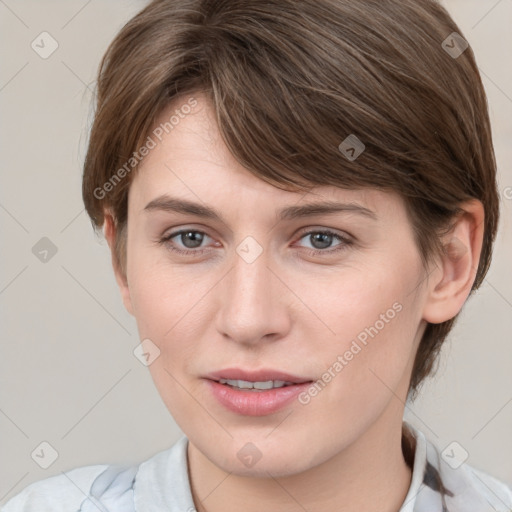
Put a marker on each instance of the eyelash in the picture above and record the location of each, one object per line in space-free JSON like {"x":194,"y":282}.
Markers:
{"x":345,"y":242}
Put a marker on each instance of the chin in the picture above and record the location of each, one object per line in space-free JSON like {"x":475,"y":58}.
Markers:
{"x":263,"y":458}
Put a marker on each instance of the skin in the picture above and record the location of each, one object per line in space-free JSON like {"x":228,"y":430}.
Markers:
{"x":288,"y":310}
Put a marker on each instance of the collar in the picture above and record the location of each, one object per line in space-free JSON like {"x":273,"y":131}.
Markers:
{"x":162,"y":482}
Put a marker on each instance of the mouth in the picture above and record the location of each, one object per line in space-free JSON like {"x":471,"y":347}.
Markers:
{"x":245,"y":385}
{"x":256,"y":379}
{"x":255,"y":393}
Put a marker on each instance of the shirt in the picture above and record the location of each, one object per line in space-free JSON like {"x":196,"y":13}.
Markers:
{"x":439,"y":484}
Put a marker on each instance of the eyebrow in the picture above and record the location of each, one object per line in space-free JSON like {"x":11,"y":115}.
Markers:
{"x":171,"y":204}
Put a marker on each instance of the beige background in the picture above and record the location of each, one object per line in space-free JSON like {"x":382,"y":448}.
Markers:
{"x":68,"y":374}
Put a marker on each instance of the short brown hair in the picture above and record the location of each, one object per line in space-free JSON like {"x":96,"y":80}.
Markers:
{"x":289,"y":80}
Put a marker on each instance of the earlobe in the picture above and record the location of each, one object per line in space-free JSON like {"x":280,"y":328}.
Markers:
{"x":109,"y":231}
{"x":452,"y":280}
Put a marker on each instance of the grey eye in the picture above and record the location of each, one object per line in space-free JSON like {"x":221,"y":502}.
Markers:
{"x":190,"y":239}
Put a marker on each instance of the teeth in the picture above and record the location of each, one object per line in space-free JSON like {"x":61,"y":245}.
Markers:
{"x":244,"y":384}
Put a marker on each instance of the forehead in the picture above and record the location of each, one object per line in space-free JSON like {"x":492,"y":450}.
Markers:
{"x":191,"y":160}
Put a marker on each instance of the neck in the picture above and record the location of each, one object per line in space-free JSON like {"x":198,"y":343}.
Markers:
{"x":375,"y":469}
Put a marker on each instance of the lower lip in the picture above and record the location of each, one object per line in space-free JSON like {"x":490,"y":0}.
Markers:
{"x":255,"y":403}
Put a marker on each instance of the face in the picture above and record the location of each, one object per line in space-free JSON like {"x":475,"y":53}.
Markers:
{"x":334,"y":299}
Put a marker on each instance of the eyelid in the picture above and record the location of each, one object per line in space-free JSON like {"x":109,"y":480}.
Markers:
{"x":324,"y":229}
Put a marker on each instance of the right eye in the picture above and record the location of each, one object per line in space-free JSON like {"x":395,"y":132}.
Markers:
{"x":189,"y":238}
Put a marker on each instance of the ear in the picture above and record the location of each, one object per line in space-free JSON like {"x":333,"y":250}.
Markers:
{"x":110,"y":232}
{"x":450,"y":282}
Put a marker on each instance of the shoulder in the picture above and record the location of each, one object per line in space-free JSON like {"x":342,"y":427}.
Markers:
{"x":487,"y":488}
{"x":59,"y":492}
{"x":159,"y":481}
{"x":74,"y":490}
{"x":463,"y":487}
{"x":442,"y":480}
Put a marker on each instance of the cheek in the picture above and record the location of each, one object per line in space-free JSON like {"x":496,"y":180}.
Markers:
{"x":372,"y":320}
{"x":171,"y":310}
{"x":353,"y":301}
{"x":160,"y":295}
{"x":166,"y":310}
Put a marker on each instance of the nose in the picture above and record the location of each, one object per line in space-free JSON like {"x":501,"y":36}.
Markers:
{"x":253,"y":302}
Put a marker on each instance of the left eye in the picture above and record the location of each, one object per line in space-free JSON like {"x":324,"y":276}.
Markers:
{"x":323,"y":239}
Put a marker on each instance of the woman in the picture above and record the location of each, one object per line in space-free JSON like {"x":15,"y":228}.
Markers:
{"x":299,"y":197}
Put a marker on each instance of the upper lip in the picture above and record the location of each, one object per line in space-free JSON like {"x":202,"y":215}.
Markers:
{"x":262,"y":375}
